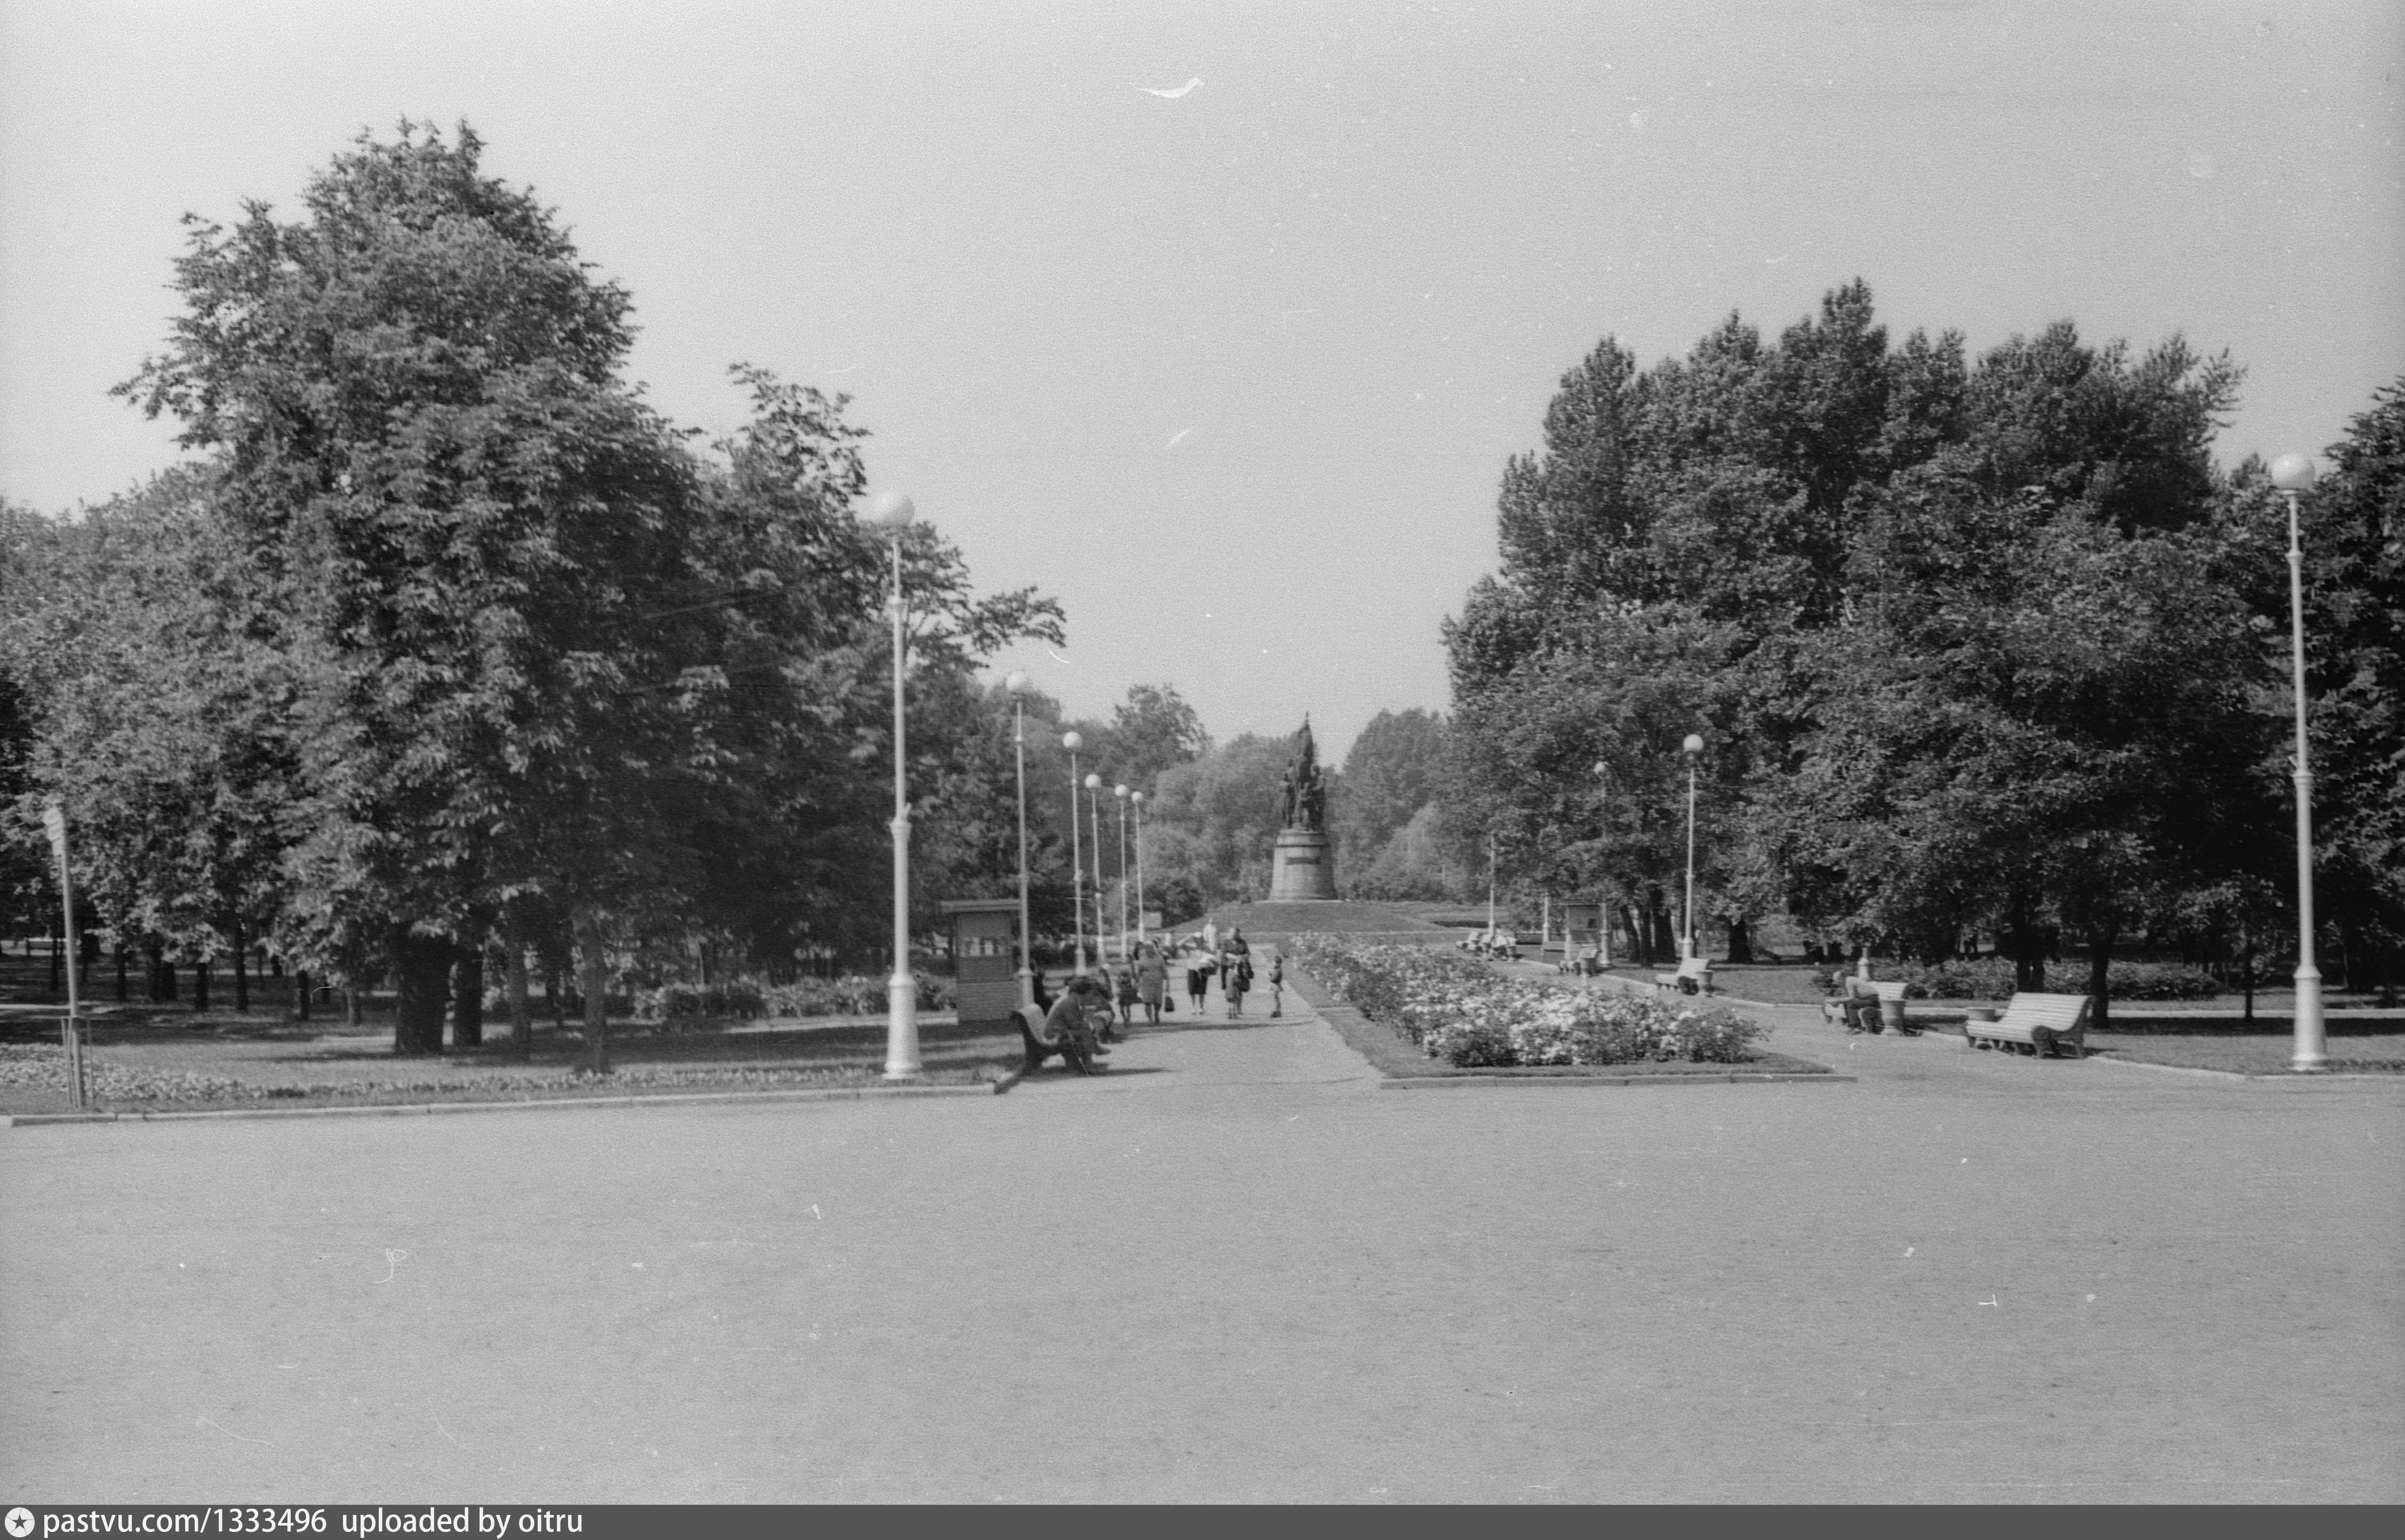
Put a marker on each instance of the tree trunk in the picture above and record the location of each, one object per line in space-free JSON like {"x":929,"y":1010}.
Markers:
{"x":121,"y":949}
{"x":162,"y":972}
{"x":595,"y":969}
{"x":241,"y":972}
{"x":468,"y":995}
{"x":1740,"y":940}
{"x":300,"y":995}
{"x":521,"y":1009}
{"x":2026,"y":944}
{"x":2099,"y":973}
{"x":555,"y":996}
{"x":421,"y":968}
{"x":200,"y":985}
{"x":350,"y":1008}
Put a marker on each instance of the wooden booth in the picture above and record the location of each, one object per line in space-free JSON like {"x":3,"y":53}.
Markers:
{"x":985,"y":957}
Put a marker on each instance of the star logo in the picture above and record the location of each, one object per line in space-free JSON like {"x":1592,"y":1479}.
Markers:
{"x":21,"y":1523}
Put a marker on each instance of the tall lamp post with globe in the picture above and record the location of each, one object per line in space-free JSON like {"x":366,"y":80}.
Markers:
{"x":1094,"y":808}
{"x":891,"y":513}
{"x":1018,"y":684}
{"x":2293,"y":474}
{"x":1695,"y":748}
{"x":1071,"y":741}
{"x":1137,"y":797}
{"x":1119,"y":795}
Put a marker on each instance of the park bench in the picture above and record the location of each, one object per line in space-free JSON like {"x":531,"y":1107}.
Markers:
{"x":1041,"y":1044}
{"x":2040,"y":1023}
{"x":1693,"y":977}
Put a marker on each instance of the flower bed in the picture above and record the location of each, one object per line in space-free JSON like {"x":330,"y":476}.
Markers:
{"x":1465,"y":1014}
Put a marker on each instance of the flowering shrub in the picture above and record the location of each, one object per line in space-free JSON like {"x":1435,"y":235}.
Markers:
{"x":1991,"y":979}
{"x":1470,"y":1016}
{"x":851,"y":995}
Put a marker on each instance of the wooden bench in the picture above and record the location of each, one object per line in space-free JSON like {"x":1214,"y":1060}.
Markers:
{"x":1041,"y":1044}
{"x":1695,"y":977}
{"x":2039,"y":1023}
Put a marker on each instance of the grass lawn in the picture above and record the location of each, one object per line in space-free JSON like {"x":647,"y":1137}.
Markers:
{"x":1396,"y":1056}
{"x":1333,"y":916}
{"x":2352,"y":1047}
{"x":153,"y":1068}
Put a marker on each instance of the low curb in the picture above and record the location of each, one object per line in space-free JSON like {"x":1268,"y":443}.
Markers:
{"x":2285,"y":1076}
{"x":1422,"y":1082}
{"x":865,"y":1092}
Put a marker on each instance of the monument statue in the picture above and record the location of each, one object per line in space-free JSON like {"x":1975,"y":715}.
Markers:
{"x":1302,"y":864}
{"x":1303,"y":789}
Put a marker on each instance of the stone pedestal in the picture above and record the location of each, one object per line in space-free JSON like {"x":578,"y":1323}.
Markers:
{"x":1302,"y":866}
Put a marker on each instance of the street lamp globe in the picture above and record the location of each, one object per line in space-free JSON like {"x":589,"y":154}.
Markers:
{"x":889,"y":511}
{"x":2293,"y":473}
{"x":1071,"y":741}
{"x":1119,"y":791}
{"x":1694,"y":744}
{"x":1019,"y":683}
{"x":1094,"y":782}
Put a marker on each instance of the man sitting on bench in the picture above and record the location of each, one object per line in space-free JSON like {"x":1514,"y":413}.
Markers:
{"x":1071,"y":1021}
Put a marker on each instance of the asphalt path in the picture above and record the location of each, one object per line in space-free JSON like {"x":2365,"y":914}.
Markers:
{"x":1234,"y":1269}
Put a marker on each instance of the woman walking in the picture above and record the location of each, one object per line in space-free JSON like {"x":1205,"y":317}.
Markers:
{"x":1151,"y":982}
{"x":1235,"y":977}
{"x":1198,"y":980}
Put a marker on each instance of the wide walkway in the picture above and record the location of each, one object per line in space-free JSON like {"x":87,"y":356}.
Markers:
{"x":1234,"y":1268}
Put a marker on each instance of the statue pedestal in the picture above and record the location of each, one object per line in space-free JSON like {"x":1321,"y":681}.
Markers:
{"x":1302,"y":866}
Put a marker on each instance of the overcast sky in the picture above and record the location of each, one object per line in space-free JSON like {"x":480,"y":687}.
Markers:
{"x":1234,"y":372}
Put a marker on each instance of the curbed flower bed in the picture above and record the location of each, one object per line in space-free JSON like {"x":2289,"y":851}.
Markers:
{"x":1465,"y":1014}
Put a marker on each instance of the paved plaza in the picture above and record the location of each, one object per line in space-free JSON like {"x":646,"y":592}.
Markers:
{"x":1234,"y":1268}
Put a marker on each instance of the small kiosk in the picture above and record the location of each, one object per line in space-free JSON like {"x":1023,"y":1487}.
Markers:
{"x":985,"y":957}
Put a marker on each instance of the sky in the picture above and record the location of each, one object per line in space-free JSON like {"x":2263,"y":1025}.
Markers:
{"x":1234,"y":370}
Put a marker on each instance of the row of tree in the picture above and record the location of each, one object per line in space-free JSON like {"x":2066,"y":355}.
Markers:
{"x":1982,"y":646}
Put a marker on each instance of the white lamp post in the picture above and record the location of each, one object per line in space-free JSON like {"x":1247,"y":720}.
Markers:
{"x":1137,"y":797}
{"x":891,"y":513}
{"x":1071,"y":741}
{"x":1490,"y":887}
{"x":1694,"y":746}
{"x":1018,"y":684}
{"x":2294,"y":474}
{"x":1603,"y":920}
{"x":1094,"y":808}
{"x":1119,"y":795}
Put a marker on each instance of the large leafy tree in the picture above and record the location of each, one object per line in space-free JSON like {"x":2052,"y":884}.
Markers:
{"x":547,"y":662}
{"x":1959,"y":636}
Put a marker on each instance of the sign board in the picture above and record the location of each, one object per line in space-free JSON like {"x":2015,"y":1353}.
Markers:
{"x":54,"y":819}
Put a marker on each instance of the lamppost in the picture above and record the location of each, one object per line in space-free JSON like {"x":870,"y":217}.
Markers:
{"x":1071,"y":741}
{"x":891,"y":513}
{"x":2293,"y":474}
{"x":1119,"y":795}
{"x":1490,"y":887}
{"x":1018,"y":684}
{"x":1094,"y":808}
{"x":1603,"y":920}
{"x":1694,"y":746}
{"x":1137,"y":797}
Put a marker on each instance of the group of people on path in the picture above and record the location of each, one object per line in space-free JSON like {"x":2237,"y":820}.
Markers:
{"x":1083,"y":1013}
